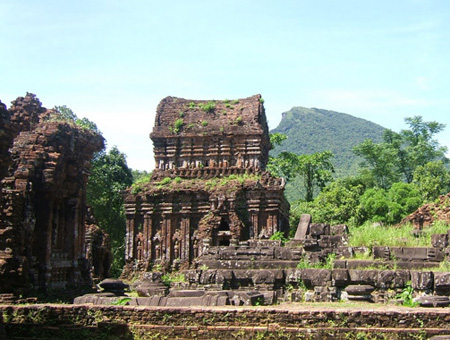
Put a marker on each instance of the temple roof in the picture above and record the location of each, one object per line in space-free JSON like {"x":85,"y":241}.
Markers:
{"x":186,"y":117}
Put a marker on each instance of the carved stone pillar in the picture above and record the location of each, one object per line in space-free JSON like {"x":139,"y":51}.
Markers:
{"x":185,"y":235}
{"x":272,"y":224}
{"x":147,"y":231}
{"x":129,"y":239}
{"x":255,"y":225}
{"x":166,"y":232}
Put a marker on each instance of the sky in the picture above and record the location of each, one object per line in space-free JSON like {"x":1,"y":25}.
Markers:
{"x":113,"y":61}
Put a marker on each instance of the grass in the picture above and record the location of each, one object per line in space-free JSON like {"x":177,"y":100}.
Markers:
{"x":369,"y":235}
{"x":329,"y":263}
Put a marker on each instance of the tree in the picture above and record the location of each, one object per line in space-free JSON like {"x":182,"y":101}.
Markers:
{"x":418,"y":146}
{"x":315,"y":170}
{"x":432,"y":180}
{"x":110,"y":175}
{"x":379,"y":205}
{"x":277,"y":138}
{"x":339,"y":202}
{"x":400,"y":154}
{"x":379,"y":161}
{"x":66,"y":114}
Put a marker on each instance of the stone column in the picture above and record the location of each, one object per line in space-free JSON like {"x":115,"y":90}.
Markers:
{"x":185,"y":235}
{"x":166,"y":233}
{"x":255,"y":225}
{"x":147,"y":231}
{"x":129,"y":239}
{"x":272,"y":224}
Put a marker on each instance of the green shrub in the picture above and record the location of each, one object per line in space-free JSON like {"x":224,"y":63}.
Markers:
{"x":407,"y":296}
{"x":204,"y":123}
{"x":178,"y":125}
{"x":165,"y":181}
{"x":279,"y":236}
{"x":209,"y":107}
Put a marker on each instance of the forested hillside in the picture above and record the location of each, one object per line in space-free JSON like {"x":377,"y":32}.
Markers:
{"x":316,"y":130}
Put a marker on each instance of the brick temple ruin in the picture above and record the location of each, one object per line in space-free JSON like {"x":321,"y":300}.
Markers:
{"x":209,"y":188}
{"x":44,"y":168}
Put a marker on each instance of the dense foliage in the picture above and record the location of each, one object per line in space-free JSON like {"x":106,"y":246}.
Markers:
{"x":110,"y":175}
{"x":396,"y":176}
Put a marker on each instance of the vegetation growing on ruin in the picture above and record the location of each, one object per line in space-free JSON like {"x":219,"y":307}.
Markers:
{"x":230,"y":182}
{"x":65,"y":114}
{"x":208,"y":107}
{"x":369,"y":235}
{"x":177,"y":125}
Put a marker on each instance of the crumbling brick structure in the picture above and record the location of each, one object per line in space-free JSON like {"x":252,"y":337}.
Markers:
{"x":44,"y":171}
{"x":209,"y":187}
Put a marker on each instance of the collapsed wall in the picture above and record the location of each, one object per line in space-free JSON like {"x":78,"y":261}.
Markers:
{"x":44,"y":171}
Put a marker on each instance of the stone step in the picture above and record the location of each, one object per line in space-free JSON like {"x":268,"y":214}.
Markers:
{"x":246,"y":264}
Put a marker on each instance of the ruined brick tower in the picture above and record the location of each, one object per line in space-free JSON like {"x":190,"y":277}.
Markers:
{"x":209,"y":186}
{"x":44,"y":168}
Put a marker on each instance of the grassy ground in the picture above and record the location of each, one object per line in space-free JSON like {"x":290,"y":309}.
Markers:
{"x":369,"y":235}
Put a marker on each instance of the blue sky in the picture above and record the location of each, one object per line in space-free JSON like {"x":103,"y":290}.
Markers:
{"x":113,"y":61}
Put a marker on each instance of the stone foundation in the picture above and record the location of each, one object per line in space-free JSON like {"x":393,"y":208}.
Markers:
{"x":280,"y":322}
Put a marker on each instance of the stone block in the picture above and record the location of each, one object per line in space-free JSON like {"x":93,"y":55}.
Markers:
{"x":381,"y":252}
{"x":359,"y":290}
{"x":316,"y":277}
{"x":340,"y":229}
{"x":303,"y":227}
{"x":329,"y":241}
{"x":264,"y":276}
{"x":340,"y":264}
{"x":433,"y":301}
{"x":363,"y":277}
{"x":151,"y":288}
{"x":186,"y":293}
{"x":115,"y":286}
{"x":284,"y":253}
{"x":292,"y":276}
{"x":435,"y":255}
{"x":414,"y":254}
{"x":319,"y":229}
{"x":442,"y":283}
{"x":392,"y":279}
{"x":310,"y":244}
{"x":439,"y":240}
{"x":345,"y":252}
{"x":208,"y":277}
{"x":422,"y":280}
{"x":246,"y":298}
{"x":340,"y":277}
{"x":294,"y":243}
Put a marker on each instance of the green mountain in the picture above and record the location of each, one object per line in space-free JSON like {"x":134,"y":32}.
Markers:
{"x":316,"y":130}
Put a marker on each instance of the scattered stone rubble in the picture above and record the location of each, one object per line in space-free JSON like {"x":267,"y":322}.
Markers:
{"x":44,"y":168}
{"x":267,"y":272}
{"x":430,"y":212}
